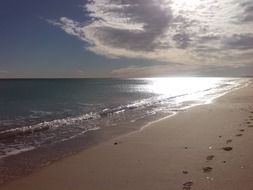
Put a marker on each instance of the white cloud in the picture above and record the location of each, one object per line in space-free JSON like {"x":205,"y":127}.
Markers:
{"x":191,"y":32}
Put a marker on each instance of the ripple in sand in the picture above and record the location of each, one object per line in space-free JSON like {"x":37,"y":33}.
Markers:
{"x":229,"y":141}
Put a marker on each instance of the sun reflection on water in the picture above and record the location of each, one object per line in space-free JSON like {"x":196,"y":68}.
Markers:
{"x":180,"y":85}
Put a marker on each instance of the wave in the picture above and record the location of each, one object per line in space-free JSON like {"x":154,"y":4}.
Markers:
{"x":77,"y":121}
{"x":15,"y":151}
{"x":151,"y":103}
{"x":40,"y":127}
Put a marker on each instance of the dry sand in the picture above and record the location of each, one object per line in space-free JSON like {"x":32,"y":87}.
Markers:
{"x":206,"y":147}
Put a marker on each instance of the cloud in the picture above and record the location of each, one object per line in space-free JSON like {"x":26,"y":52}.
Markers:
{"x":122,"y":28}
{"x":69,"y":26}
{"x":148,"y":20}
{"x":239,"y":41}
{"x":247,"y":11}
{"x":190,"y":32}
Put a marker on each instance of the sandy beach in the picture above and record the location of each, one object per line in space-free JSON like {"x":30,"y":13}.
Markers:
{"x":205,"y":147}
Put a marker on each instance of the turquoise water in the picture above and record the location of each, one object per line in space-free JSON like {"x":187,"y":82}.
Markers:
{"x":40,"y":113}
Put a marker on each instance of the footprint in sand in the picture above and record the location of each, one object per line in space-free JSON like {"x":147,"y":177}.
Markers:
{"x":227,"y":148}
{"x":116,"y":143}
{"x":210,"y":157}
{"x":187,"y":185}
{"x":207,"y":169}
{"x":242,"y":130}
{"x":238,"y":135}
{"x":229,"y":141}
{"x":250,"y":125}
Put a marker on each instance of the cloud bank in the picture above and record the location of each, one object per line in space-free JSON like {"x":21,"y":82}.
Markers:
{"x":190,"y":32}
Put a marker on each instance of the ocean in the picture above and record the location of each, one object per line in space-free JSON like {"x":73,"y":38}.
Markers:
{"x":43,"y":120}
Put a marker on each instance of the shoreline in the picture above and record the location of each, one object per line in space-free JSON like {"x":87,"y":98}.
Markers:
{"x":187,"y":108}
{"x":153,"y":145}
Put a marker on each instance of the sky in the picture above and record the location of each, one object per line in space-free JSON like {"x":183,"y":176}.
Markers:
{"x":125,"y":38}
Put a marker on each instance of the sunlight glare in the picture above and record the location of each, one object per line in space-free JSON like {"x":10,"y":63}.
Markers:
{"x":184,"y":85}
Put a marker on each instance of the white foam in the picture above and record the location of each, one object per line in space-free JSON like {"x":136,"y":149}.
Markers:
{"x":14,"y":151}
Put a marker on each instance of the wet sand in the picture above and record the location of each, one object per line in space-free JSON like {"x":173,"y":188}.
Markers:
{"x":205,"y":147}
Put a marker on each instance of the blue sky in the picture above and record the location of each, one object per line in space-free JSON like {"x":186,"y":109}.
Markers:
{"x":141,"y":38}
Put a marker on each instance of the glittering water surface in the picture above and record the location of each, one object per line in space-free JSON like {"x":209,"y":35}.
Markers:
{"x":39,"y":113}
